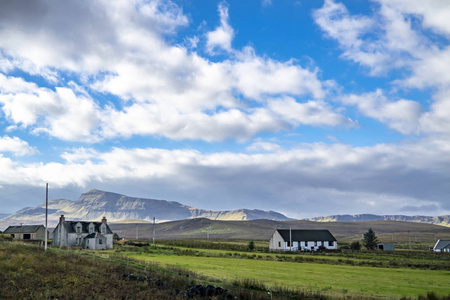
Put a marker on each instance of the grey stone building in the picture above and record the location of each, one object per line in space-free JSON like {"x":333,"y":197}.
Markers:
{"x":88,"y":235}
{"x":26,"y":232}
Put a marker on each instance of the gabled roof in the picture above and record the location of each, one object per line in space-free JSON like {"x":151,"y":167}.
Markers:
{"x":23,"y":229}
{"x":442,"y":244}
{"x":94,"y":235}
{"x":71,"y":226}
{"x":306,"y":235}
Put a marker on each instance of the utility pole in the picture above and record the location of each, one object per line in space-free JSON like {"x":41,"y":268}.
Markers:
{"x":409,"y":235}
{"x":154,"y":232}
{"x":290,"y":238}
{"x":46,"y":217}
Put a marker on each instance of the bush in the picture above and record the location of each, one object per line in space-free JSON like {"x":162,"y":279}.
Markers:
{"x":355,"y":245}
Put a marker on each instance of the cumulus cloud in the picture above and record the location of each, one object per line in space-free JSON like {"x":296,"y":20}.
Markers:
{"x":222,"y":36}
{"x":263,"y":146}
{"x":314,"y":113}
{"x":165,"y":90}
{"x":395,"y":37}
{"x":59,"y":113}
{"x":16,"y":146}
{"x":395,"y":44}
{"x":401,"y":115}
{"x":98,"y":32}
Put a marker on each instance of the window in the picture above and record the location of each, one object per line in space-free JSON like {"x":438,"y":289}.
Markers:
{"x":288,"y":243}
{"x":100,"y":241}
{"x":315,"y":243}
{"x":306,"y":244}
{"x":87,"y":242}
{"x":78,"y":229}
{"x":91,"y":228}
{"x":330,"y":243}
{"x":103,"y":229}
{"x":279,"y":244}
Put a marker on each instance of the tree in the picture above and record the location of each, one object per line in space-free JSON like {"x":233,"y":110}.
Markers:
{"x":355,"y":245}
{"x":370,"y":240}
{"x":251,"y":245}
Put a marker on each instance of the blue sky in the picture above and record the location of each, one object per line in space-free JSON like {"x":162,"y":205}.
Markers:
{"x":309,"y":108}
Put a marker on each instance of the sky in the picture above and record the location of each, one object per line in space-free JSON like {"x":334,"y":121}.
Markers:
{"x":308,"y":108}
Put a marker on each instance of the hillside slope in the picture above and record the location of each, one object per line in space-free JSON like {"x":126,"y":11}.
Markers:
{"x":387,"y":231}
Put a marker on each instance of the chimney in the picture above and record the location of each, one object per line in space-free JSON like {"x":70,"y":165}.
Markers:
{"x":61,"y":219}
{"x":104,"y":220}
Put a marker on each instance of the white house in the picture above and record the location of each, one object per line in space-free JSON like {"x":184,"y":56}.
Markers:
{"x":442,"y":246}
{"x":301,"y":240}
{"x":89,"y":235}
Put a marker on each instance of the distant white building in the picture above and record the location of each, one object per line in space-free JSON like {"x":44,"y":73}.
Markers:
{"x":301,"y":240}
{"x":442,"y":246}
{"x":88,"y":235}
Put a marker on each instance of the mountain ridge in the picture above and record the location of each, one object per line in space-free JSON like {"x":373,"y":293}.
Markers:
{"x":436,"y":220}
{"x":95,"y":204}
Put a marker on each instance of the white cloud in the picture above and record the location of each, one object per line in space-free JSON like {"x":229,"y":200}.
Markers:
{"x":99,"y":32}
{"x":335,"y":176}
{"x":166,"y":89}
{"x":430,"y":71}
{"x":59,"y":113}
{"x":437,"y":119}
{"x":314,"y":113}
{"x":263,"y":147}
{"x":434,"y":13}
{"x":79,"y":155}
{"x":222,"y":36}
{"x":401,"y":115}
{"x":255,"y":76}
{"x":16,"y":146}
{"x":381,"y":42}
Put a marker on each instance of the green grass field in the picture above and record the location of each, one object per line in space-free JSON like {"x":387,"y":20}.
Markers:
{"x":331,"y":279}
{"x":26,"y":272}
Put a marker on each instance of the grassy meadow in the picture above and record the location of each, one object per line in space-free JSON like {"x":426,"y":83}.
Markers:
{"x":26,"y":272}
{"x":359,"y":274}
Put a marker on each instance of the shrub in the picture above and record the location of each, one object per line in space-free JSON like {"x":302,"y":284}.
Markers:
{"x":355,"y":245}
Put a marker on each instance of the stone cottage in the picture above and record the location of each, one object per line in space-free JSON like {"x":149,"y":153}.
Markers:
{"x":83,"y":234}
{"x":26,"y":232}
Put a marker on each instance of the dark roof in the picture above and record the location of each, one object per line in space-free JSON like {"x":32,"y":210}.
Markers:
{"x":441,"y":244}
{"x":94,"y":235}
{"x":306,"y":235}
{"x":23,"y":229}
{"x":71,"y":226}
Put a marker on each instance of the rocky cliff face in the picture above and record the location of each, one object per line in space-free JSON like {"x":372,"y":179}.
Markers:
{"x":439,"y":220}
{"x":95,"y":204}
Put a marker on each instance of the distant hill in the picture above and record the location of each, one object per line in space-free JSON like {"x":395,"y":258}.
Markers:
{"x":387,"y":231}
{"x":440,"y":220}
{"x":95,"y":204}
